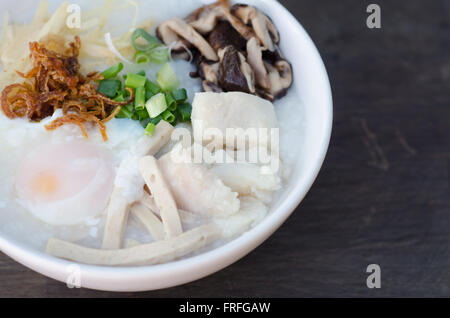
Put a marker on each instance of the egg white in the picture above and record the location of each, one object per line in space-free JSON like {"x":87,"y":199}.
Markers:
{"x":18,"y":138}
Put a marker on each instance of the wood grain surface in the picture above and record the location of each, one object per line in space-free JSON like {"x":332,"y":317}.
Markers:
{"x":383,"y":194}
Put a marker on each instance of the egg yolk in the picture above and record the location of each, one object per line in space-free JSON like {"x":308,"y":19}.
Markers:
{"x":64,"y":184}
{"x":44,"y":184}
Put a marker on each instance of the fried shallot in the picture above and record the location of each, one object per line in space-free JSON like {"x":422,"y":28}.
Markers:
{"x":55,"y":82}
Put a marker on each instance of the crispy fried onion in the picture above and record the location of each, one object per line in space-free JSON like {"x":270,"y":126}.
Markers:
{"x":54,"y":82}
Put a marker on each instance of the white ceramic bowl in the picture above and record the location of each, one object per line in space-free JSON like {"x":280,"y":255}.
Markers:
{"x":312,"y":83}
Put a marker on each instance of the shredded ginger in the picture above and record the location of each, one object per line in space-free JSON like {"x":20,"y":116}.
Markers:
{"x":52,"y":31}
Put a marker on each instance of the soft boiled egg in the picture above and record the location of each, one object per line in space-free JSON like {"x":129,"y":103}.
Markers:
{"x":65,"y":184}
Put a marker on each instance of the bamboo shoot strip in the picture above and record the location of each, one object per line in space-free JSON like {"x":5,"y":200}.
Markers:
{"x":131,"y":243}
{"x":149,"y":202}
{"x":119,"y":205}
{"x":151,"y":145}
{"x":162,"y":195}
{"x":186,"y":217}
{"x":116,"y":220}
{"x":145,"y":254}
{"x":150,"y":221}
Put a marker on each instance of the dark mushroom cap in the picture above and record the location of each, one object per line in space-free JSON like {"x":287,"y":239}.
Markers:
{"x":233,"y":73}
{"x":223,"y":35}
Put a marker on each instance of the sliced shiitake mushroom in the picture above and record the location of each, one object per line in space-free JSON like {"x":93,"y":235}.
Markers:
{"x":255,"y":59}
{"x":209,"y":72}
{"x":234,"y":48}
{"x":205,"y":19}
{"x":262,"y":25}
{"x":172,"y":30}
{"x":280,"y":76}
{"x":169,"y":37}
{"x":224,"y":34}
{"x":211,"y":87}
{"x":273,"y":57}
{"x":235,"y":74}
{"x":273,"y":76}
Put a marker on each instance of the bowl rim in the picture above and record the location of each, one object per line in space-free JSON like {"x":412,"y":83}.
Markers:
{"x":109,"y":278}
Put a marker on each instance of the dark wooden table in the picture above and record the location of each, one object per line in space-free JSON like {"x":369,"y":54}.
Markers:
{"x":383,"y":194}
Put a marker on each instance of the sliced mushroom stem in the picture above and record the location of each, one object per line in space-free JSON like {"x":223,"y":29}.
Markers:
{"x":280,"y":76}
{"x":168,"y":29}
{"x":205,"y":19}
{"x":262,"y":25}
{"x":209,"y":72}
{"x":255,"y":59}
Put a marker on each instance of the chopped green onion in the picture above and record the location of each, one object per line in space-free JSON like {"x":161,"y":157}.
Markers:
{"x":109,"y":87}
{"x":126,"y":94}
{"x":142,"y":73}
{"x":145,"y":122}
{"x":172,"y":107}
{"x":142,"y":114}
{"x":171,"y":102}
{"x":148,"y":94}
{"x":122,"y":96}
{"x":150,"y":129}
{"x":166,"y":78}
{"x":185,"y":111}
{"x":180,"y":95}
{"x":140,"y":35}
{"x":151,"y":89}
{"x":168,"y":116}
{"x":112,"y":71}
{"x":119,"y":97}
{"x":135,"y":80}
{"x":156,"y":120}
{"x":159,"y":55}
{"x":125,"y":112}
{"x":135,"y":116}
{"x":139,"y":99}
{"x":142,"y":58}
{"x":156,"y":105}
